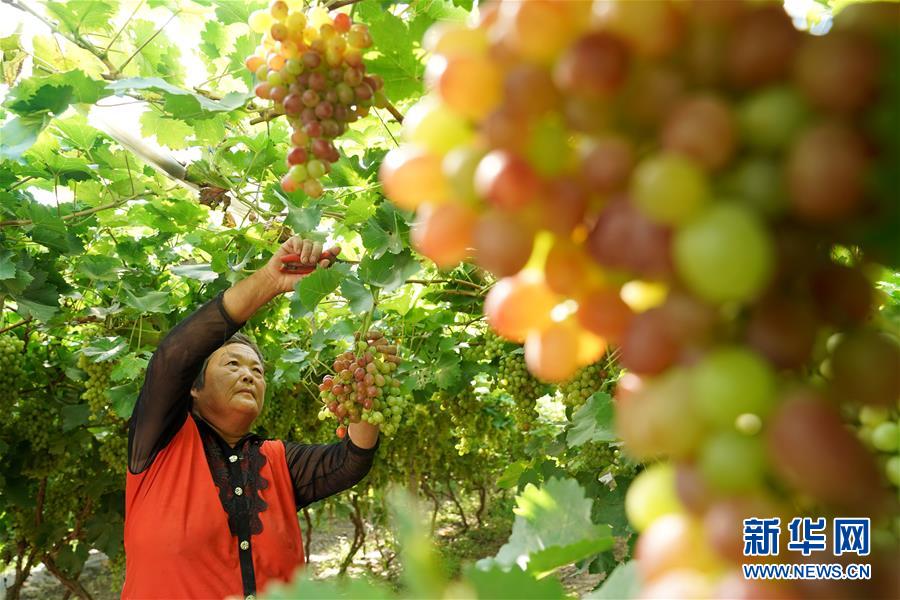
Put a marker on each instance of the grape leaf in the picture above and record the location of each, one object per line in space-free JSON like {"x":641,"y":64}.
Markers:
{"x":622,"y":584}
{"x":514,"y":584}
{"x":76,"y":130}
{"x":394,"y":56}
{"x":151,"y":302}
{"x":20,"y":134}
{"x":199,"y":271}
{"x":106,"y":348}
{"x":172,"y":133}
{"x":236,"y":11}
{"x":74,"y":415}
{"x":318,"y":284}
{"x":554,"y":523}
{"x":80,"y":15}
{"x":446,"y":370}
{"x":214,"y":39}
{"x":159,"y":57}
{"x":593,"y":422}
{"x":53,"y":93}
{"x":179,"y":102}
{"x":390,"y":271}
{"x":357,"y":294}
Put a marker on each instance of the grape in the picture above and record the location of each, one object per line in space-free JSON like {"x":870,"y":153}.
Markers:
{"x":865,"y":368}
{"x":623,"y":238}
{"x":412,"y":176}
{"x":772,"y":118}
{"x":568,"y":269}
{"x":529,"y":91}
{"x":673,"y":541}
{"x":552,"y":353}
{"x":837,"y":72}
{"x":603,"y":312}
{"x":762,"y":47}
{"x":732,"y":462}
{"x":782,"y":330}
{"x":813,"y":451}
{"x":724,"y":255}
{"x":517,"y":305}
{"x":562,"y":206}
{"x":825,"y":172}
{"x":443,"y":233}
{"x":434,"y":127}
{"x":669,"y":189}
{"x":514,"y":378}
{"x":701,"y":128}
{"x":652,"y":495}
{"x":886,"y":437}
{"x":539,"y":31}
{"x":593,"y":67}
{"x":504,"y":243}
{"x":469,"y":85}
{"x":650,"y":28}
{"x":606,"y":164}
{"x":506,"y":180}
{"x":892,"y":468}
{"x":730,"y":382}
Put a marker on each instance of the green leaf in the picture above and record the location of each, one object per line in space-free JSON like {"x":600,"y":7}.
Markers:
{"x":360,"y":209}
{"x":511,"y":474}
{"x":593,"y":422}
{"x":357,"y":294}
{"x":622,"y":584}
{"x":179,"y":102}
{"x":54,"y":93}
{"x":609,"y":508}
{"x":446,"y":370}
{"x":122,"y":398}
{"x":130,"y":367}
{"x":99,"y":268}
{"x":159,"y":56}
{"x":303,"y":220}
{"x":514,"y":584}
{"x":74,"y":415}
{"x":210,"y":131}
{"x":201,"y":272}
{"x":236,"y":11}
{"x":390,"y":271}
{"x":151,"y":302}
{"x":20,"y":134}
{"x":107,"y":348}
{"x":82,"y":15}
{"x":351,"y":588}
{"x":546,"y":561}
{"x":555,"y":515}
{"x":395,"y":58}
{"x":7,"y":264}
{"x":318,"y":284}
{"x":169,"y":132}
{"x":214,"y":38}
{"x":76,"y":130}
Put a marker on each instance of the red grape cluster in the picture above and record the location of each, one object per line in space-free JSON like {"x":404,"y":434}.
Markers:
{"x":707,"y":188}
{"x":363,"y":387}
{"x":312,"y":69}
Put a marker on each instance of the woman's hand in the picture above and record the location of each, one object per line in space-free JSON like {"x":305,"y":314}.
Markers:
{"x":311,"y":255}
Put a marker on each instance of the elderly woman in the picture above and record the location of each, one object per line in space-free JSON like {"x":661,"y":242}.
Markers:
{"x":211,"y":508}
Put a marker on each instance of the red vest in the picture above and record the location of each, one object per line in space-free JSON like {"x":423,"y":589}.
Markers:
{"x":177,"y":540}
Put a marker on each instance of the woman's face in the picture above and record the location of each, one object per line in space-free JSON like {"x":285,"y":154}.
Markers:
{"x":234,"y":390}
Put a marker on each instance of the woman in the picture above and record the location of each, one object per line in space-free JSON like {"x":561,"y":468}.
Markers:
{"x":211,"y":508}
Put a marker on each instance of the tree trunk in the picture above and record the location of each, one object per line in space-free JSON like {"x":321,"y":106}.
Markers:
{"x":462,"y":513}
{"x":359,"y":535}
{"x":427,"y":489}
{"x":309,"y":529}
{"x":482,"y":502}
{"x":22,"y":571}
{"x":73,"y":585}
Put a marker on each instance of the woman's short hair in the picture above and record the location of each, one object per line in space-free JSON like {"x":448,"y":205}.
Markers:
{"x":237,"y":338}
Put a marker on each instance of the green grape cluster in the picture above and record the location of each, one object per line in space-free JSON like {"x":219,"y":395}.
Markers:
{"x":585,"y":383}
{"x":494,"y":346}
{"x":37,"y":421}
{"x":281,"y":410}
{"x":879,"y":429}
{"x":471,"y":423}
{"x":601,"y":458}
{"x":113,"y":440}
{"x":12,"y":369}
{"x":514,"y":378}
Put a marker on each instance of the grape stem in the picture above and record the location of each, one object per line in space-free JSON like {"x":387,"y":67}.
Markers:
{"x":14,"y":325}
{"x":340,"y":3}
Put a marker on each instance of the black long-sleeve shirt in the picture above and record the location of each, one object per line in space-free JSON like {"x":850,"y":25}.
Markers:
{"x":317,"y":470}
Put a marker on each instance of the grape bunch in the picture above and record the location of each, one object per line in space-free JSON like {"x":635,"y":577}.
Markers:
{"x":879,"y":429}
{"x":282,"y":409}
{"x":113,"y":438}
{"x":12,"y":369}
{"x":514,"y":378}
{"x":709,"y":190}
{"x":586,"y":381}
{"x":312,"y":69}
{"x":364,"y":387}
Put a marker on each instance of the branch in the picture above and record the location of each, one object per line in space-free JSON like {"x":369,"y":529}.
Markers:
{"x":80,"y":213}
{"x":13,"y":326}
{"x":73,"y":37}
{"x":340,"y":3}
{"x":394,"y":112}
{"x":457,"y":281}
{"x":150,"y":39}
